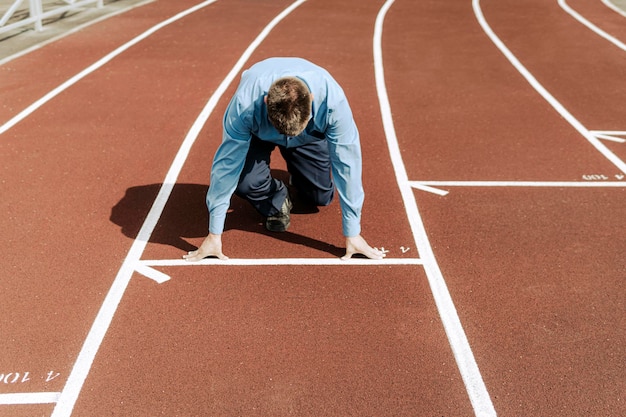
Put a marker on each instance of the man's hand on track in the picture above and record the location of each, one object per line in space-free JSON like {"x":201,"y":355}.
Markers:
{"x":357,"y":244}
{"x":212,"y":246}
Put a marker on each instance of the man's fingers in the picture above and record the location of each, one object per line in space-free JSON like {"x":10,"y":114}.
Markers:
{"x":378,"y":253}
{"x":190,"y":255}
{"x":375,"y":254}
{"x":194,"y":256}
{"x":371,"y":253}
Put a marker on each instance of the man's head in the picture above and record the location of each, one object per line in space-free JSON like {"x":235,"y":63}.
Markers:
{"x":289,"y":105}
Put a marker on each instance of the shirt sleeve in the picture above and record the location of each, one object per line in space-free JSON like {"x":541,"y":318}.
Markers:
{"x":345,"y":155}
{"x":228,"y":163}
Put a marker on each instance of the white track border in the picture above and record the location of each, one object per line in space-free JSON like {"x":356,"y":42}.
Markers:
{"x":591,"y":26}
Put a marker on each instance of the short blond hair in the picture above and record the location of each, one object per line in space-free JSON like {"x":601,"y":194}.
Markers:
{"x":289,"y":105}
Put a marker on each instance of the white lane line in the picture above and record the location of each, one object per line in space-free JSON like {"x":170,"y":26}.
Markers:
{"x":72,"y":30}
{"x":556,"y":184}
{"x":101,"y":324}
{"x":96,"y":65}
{"x":610,"y":5}
{"x":474,"y":384}
{"x":591,"y":26}
{"x":283,"y":261}
{"x":621,"y":165}
{"x":21,"y":398}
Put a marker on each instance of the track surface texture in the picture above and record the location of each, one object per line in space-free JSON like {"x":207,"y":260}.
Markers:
{"x":493,"y":137}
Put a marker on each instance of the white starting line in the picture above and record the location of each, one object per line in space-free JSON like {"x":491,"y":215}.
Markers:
{"x":282,"y":261}
{"x":146,"y":269}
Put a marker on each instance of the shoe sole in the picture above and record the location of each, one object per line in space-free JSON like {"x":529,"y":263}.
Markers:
{"x":277,"y":226}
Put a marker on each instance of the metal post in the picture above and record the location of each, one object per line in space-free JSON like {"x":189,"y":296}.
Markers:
{"x":36,"y":10}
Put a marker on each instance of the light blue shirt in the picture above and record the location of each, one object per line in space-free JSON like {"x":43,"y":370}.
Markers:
{"x":246,"y":115}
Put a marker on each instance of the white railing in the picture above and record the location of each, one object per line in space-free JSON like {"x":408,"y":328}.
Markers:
{"x":38,"y":12}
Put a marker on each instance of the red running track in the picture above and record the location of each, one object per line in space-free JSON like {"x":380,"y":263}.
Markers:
{"x":525,"y":218}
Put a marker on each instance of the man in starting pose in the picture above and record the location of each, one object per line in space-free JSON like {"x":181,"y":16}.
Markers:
{"x":295,"y":105}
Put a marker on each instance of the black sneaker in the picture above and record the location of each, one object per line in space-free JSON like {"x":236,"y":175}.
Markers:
{"x":280,"y":221}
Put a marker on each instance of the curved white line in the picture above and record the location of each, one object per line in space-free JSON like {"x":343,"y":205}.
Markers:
{"x":96,"y":65}
{"x":610,"y":5}
{"x":476,"y":389}
{"x":101,"y":324}
{"x":591,"y":26}
{"x":544,"y":93}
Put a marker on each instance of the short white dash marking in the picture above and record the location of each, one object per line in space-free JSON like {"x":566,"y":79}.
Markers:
{"x":29,"y":398}
{"x":152,"y":273}
{"x":420,"y":186}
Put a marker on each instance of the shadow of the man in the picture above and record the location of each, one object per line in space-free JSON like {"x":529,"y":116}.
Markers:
{"x":185,"y":216}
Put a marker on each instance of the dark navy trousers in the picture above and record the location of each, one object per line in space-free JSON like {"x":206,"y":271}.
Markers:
{"x":309,"y":166}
